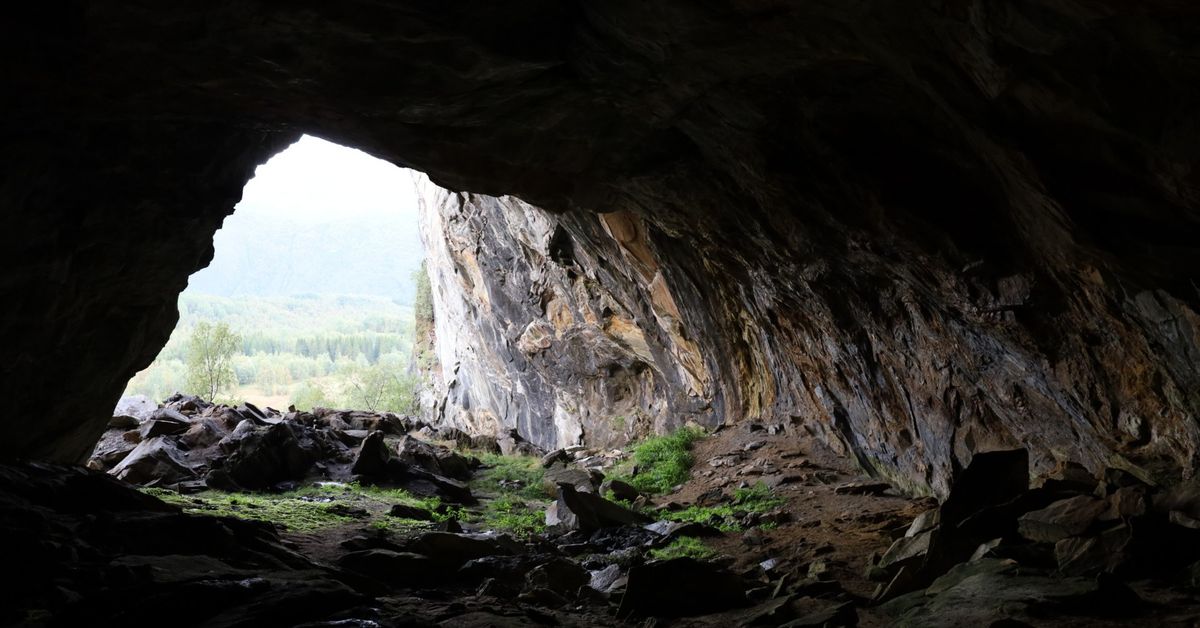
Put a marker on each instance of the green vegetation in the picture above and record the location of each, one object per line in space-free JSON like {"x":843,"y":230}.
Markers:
{"x":727,"y":517}
{"x":517,"y":517}
{"x":684,"y":547}
{"x":518,"y":497}
{"x":664,"y":461}
{"x":210,"y":359}
{"x":519,"y":475}
{"x":381,"y":387}
{"x":311,"y":508}
{"x":423,"y":301}
{"x":308,"y":350}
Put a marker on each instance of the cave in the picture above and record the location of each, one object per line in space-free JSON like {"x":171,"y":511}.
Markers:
{"x":953,"y":245}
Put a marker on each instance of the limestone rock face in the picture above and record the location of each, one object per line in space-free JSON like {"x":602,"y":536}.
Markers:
{"x":919,"y":231}
{"x":537,"y":330}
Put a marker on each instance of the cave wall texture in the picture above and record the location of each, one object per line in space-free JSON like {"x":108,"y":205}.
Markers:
{"x":917,"y":229}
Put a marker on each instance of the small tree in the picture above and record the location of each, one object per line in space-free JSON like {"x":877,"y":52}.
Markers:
{"x":382,"y":387}
{"x":210,"y":360}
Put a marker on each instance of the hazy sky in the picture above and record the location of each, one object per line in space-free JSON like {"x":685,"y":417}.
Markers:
{"x":315,"y":179}
{"x":318,"y":218}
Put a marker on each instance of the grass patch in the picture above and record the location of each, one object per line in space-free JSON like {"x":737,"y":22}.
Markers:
{"x":313,"y":507}
{"x":514,"y":516}
{"x":296,"y":513}
{"x":684,"y":547}
{"x":664,"y":461}
{"x":727,"y":517}
{"x":510,"y":475}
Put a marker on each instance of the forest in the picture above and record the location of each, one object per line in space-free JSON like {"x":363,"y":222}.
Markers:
{"x":308,"y":350}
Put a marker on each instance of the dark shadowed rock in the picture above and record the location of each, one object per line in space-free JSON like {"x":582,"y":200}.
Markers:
{"x":404,"y":511}
{"x":1068,"y":517}
{"x":374,"y":457}
{"x":453,"y":550}
{"x":155,"y":460}
{"x":680,"y":587}
{"x":269,"y":455}
{"x":588,"y":511}
{"x":620,"y":490}
{"x":204,"y":432}
{"x":433,"y":458}
{"x":112,"y":448}
{"x":559,"y":575}
{"x":992,"y":478}
{"x":384,"y":565}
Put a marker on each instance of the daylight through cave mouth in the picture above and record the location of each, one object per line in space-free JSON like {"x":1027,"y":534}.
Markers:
{"x":780,"y":312}
{"x":309,"y":299}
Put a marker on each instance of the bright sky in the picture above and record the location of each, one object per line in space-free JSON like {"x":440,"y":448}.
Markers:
{"x":318,"y":180}
{"x":320,"y":218}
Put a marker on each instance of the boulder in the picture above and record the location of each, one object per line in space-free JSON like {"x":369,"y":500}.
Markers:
{"x":425,"y":483}
{"x":588,"y":512}
{"x":562,"y":576}
{"x":992,"y":592}
{"x":433,"y":458}
{"x":137,"y":407}
{"x":907,"y":547}
{"x":384,"y":565}
{"x":110,"y":450}
{"x":511,"y":443}
{"x":562,"y":473}
{"x":374,"y":458}
{"x":154,"y":461}
{"x":606,"y":579}
{"x":991,"y":478}
{"x":404,"y":511}
{"x":620,"y":490}
{"x":186,"y":404}
{"x":270,"y":455}
{"x":204,"y":432}
{"x":164,"y":422}
{"x":453,"y":550}
{"x":1088,"y":556}
{"x":673,"y":529}
{"x":1063,"y":518}
{"x":123,"y":422}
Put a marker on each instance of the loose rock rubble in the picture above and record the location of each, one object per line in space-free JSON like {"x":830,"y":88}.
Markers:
{"x":189,"y":444}
{"x":837,"y":549}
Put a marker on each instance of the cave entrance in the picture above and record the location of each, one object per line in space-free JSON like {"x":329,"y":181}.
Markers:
{"x":310,"y":296}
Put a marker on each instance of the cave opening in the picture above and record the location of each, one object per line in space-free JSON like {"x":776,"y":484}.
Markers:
{"x":312,"y":295}
{"x":744,"y":313}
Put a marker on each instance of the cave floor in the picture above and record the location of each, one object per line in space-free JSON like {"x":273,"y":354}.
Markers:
{"x":123,"y":557}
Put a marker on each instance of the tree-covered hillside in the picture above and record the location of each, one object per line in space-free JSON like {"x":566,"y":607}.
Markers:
{"x":292,"y":348}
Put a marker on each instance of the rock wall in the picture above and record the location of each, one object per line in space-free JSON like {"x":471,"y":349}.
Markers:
{"x":541,"y":326}
{"x":918,"y":229}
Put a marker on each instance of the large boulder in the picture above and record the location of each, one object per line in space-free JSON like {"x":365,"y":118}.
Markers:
{"x":110,"y":450}
{"x":433,"y":458}
{"x":374,"y":459}
{"x":575,"y":510}
{"x":269,"y":455}
{"x":155,"y":461}
{"x":138,"y":408}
